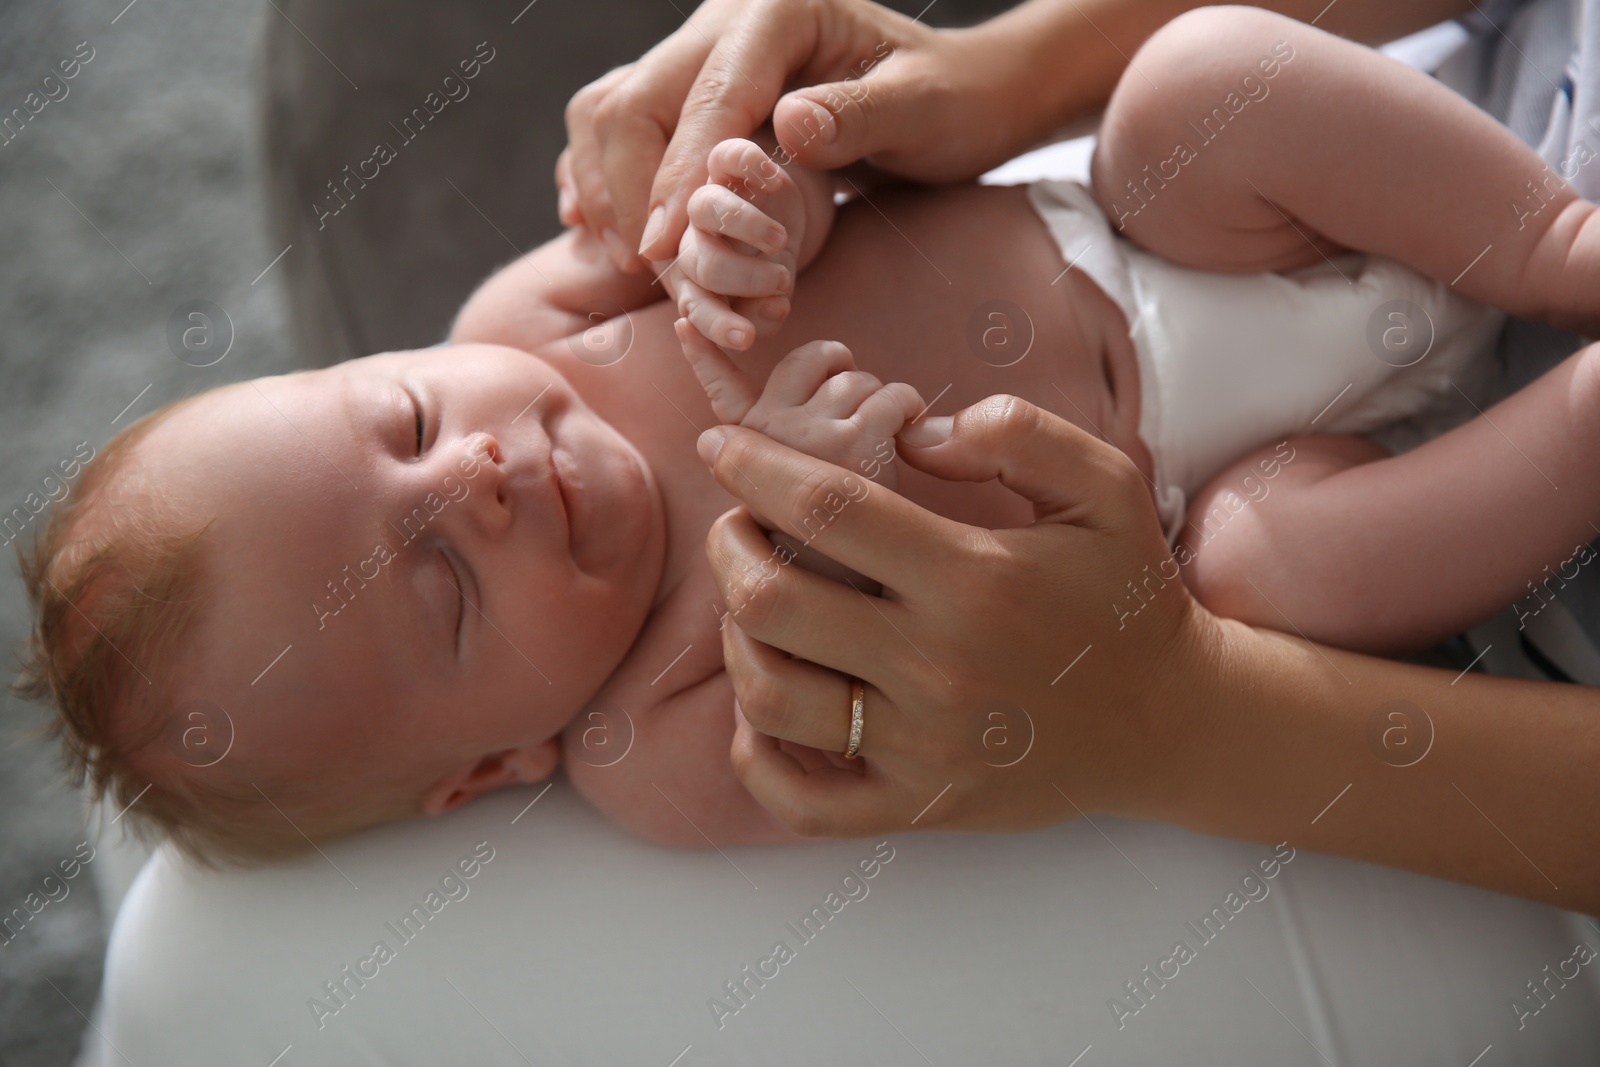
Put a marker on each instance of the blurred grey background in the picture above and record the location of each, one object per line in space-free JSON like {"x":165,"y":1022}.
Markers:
{"x":182,"y":164}
{"x":136,"y":191}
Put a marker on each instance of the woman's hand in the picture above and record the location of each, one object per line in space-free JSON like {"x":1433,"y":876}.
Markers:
{"x":928,"y":104}
{"x":1014,"y":677}
{"x":1017,"y":678}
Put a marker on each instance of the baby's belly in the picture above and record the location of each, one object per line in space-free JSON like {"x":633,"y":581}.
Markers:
{"x":962,"y":293}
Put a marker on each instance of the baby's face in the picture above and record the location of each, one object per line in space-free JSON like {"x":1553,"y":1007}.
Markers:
{"x":454,"y":548}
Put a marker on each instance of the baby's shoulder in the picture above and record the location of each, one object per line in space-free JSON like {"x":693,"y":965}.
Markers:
{"x":506,"y":310}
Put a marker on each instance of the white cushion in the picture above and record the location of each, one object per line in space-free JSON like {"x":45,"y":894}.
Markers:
{"x":578,"y":944}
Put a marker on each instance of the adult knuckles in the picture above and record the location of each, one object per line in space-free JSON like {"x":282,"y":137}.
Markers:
{"x":815,"y":491}
{"x":765,"y":702}
{"x":761,"y":600}
{"x":583,"y":103}
{"x":745,"y":455}
{"x":1008,"y":416}
{"x":806,"y":822}
{"x":715,"y":91}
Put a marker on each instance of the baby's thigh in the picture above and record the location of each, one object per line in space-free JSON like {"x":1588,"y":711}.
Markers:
{"x":1237,"y":524}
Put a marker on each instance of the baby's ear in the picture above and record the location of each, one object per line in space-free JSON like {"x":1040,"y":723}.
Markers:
{"x":512,"y":766}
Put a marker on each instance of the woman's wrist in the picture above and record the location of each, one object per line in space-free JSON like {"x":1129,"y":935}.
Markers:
{"x":1262,"y":736}
{"x":1168,"y":717}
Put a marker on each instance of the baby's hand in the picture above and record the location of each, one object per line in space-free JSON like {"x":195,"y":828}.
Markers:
{"x":738,"y":259}
{"x":816,"y":402}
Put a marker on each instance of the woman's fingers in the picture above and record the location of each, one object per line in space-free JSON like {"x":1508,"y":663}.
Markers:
{"x":567,"y":207}
{"x":1070,"y":475}
{"x":778,"y":603}
{"x":872,"y":83}
{"x":635,"y":139}
{"x":778,"y":693}
{"x":830,"y":800}
{"x":731,"y":96}
{"x":830,"y":126}
{"x":906,"y":88}
{"x":866,"y":527}
{"x":586,"y":147}
{"x":618,"y":127}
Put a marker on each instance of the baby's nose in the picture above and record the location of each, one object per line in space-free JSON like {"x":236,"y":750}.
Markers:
{"x":489,"y":501}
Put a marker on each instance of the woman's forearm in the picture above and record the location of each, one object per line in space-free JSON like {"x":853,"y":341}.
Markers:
{"x":1058,"y":59}
{"x":1490,"y":781}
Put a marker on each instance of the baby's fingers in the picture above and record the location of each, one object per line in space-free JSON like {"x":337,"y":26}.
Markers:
{"x":712,"y":317}
{"x":798,"y":375}
{"x":766,"y":312}
{"x":713,"y":264}
{"x":886,"y":412}
{"x":730,"y":391}
{"x":720,"y":210}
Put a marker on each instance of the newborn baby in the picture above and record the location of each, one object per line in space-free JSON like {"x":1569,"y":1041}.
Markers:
{"x":286,"y":609}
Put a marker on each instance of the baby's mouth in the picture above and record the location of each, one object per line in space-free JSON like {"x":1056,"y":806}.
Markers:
{"x":565,"y":491}
{"x":561,"y":473}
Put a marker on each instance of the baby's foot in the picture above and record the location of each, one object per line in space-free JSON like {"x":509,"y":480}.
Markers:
{"x":738,"y":258}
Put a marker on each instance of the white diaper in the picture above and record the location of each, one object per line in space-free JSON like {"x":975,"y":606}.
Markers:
{"x":1229,"y":362}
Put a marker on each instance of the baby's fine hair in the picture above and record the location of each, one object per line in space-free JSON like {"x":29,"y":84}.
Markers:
{"x":115,"y":580}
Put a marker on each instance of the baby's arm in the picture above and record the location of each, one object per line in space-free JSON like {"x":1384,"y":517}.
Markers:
{"x":1337,"y":541}
{"x":564,"y":286}
{"x":1244,"y":141}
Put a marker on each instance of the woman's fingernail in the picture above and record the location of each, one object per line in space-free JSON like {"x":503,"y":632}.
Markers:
{"x":618,"y":248}
{"x":925,"y":433}
{"x":827,"y":128}
{"x":652,"y":229}
{"x":710,"y":443}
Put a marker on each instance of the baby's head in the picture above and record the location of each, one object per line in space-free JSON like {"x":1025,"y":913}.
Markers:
{"x":285,"y":609}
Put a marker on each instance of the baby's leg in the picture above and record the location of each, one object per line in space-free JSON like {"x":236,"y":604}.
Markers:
{"x":1240,"y":140}
{"x":1335,"y":540}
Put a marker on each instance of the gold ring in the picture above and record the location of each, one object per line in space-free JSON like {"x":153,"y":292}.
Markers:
{"x":858,"y":715}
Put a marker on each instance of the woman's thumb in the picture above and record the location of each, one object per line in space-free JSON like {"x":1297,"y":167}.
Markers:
{"x":1069,"y":475}
{"x":834,"y":124}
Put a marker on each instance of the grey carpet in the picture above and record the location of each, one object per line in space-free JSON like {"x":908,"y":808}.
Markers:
{"x":155,"y":144}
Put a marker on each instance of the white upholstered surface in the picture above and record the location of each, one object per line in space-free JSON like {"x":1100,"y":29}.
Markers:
{"x":576,"y":944}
